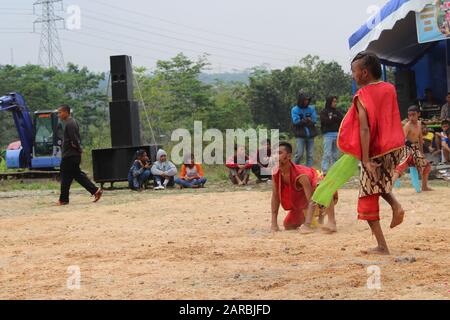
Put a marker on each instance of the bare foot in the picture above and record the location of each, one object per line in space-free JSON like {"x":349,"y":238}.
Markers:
{"x":376,"y":251}
{"x":61,"y":203}
{"x":398,"y":215}
{"x":427,"y":189}
{"x":330,"y":228}
{"x":305,"y":229}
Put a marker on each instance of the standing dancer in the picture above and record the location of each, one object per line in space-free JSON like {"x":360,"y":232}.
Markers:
{"x":414,"y":156}
{"x":372,"y":132}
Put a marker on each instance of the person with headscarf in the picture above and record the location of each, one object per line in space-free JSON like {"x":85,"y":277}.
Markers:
{"x":163,"y":171}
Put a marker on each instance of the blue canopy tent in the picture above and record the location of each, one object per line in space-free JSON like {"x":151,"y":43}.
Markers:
{"x":392,"y":35}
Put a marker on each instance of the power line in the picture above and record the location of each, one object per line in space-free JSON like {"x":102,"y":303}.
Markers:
{"x":121,"y":9}
{"x":15,"y":32}
{"x":50,"y":51}
{"x":115,"y":23}
{"x":16,"y":9}
{"x":197,"y":37}
{"x":153,"y":48}
{"x":15,"y":14}
{"x":144,"y":47}
{"x":209,"y":31}
{"x":120,"y":51}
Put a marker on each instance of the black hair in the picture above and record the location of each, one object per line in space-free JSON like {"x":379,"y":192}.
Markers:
{"x":65,"y":108}
{"x":371,"y":62}
{"x":287,"y":145}
{"x":445,"y":122}
{"x":414,"y":108}
{"x":140,"y":153}
{"x":329,"y":101}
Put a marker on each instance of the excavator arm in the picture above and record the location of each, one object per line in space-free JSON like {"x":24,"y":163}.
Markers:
{"x":15,"y":103}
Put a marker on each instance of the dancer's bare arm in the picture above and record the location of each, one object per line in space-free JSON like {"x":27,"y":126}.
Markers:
{"x":275,"y":208}
{"x":304,"y":183}
{"x":365,"y":140}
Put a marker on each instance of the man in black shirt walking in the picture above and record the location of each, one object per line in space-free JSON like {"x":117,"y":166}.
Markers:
{"x":71,"y":159}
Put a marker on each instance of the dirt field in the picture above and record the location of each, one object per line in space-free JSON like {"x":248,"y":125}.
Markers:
{"x":214,"y":246}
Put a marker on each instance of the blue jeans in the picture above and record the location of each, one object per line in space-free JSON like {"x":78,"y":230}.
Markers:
{"x":330,"y":151}
{"x":139,"y":181}
{"x":308,"y":144}
{"x":190,"y":184}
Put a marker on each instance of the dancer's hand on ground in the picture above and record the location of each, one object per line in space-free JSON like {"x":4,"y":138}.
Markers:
{"x":275,"y":227}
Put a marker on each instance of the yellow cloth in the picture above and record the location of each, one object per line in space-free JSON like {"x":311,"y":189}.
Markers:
{"x":429,"y":136}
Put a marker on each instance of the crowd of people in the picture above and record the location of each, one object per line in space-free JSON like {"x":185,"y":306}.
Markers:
{"x":384,"y":154}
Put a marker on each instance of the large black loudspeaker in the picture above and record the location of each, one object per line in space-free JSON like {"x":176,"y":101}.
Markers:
{"x":112,"y":165}
{"x":121,"y":78}
{"x":125,"y":124}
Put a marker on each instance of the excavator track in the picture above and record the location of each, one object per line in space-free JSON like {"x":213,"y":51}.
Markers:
{"x":30,"y":174}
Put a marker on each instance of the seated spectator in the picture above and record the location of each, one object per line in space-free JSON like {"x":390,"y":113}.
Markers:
{"x":239,"y":166}
{"x":428,"y":138}
{"x":163,"y":171}
{"x":139,"y":172}
{"x":441,"y":136}
{"x":445,"y":146}
{"x":191,"y":175}
{"x":261,"y":162}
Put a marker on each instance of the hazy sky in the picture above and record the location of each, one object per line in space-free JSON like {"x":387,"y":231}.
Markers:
{"x":237,"y":34}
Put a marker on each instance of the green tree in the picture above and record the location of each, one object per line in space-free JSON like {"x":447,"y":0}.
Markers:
{"x":174,"y":94}
{"x":271,"y":94}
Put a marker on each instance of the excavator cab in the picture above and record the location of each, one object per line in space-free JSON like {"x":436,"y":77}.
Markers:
{"x":48,"y":136}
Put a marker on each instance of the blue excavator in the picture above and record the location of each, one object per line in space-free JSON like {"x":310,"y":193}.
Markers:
{"x":40,"y":135}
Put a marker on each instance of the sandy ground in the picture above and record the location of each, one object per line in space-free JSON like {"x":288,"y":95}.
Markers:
{"x":214,"y":246}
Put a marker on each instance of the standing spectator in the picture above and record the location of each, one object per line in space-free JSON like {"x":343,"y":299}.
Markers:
{"x":191,"y":175}
{"x":330,"y":119}
{"x":304,"y":119}
{"x":261,"y":162}
{"x":140,"y":171}
{"x":239,"y":166}
{"x":71,"y":159}
{"x":163,"y":171}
